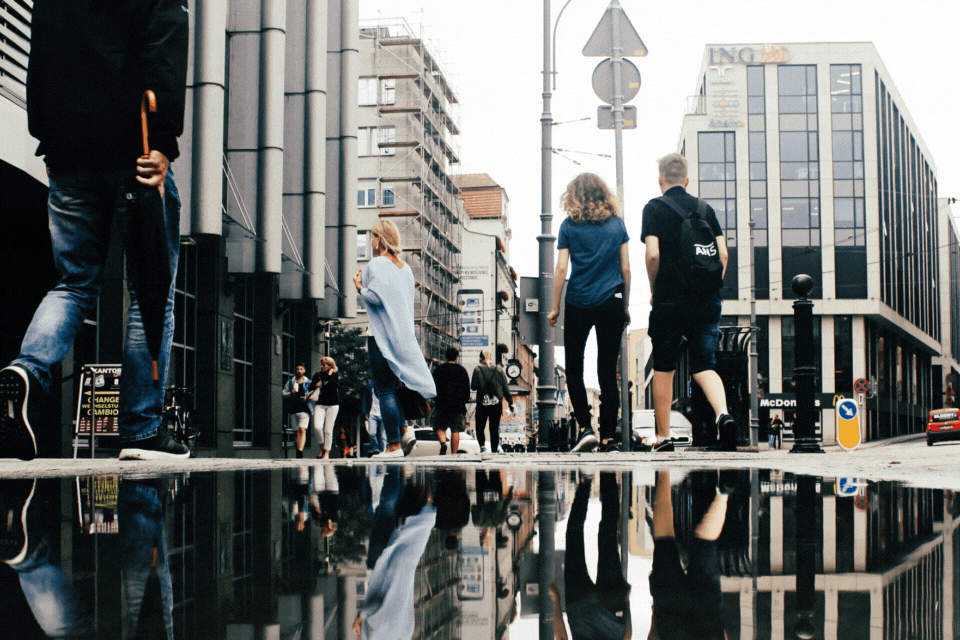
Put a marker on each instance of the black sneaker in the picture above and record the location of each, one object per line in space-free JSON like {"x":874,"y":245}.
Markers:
{"x":14,"y":501}
{"x":16,"y":436}
{"x":586,"y":442}
{"x":662,"y":446}
{"x":612,"y":447}
{"x":727,"y":432}
{"x":159,"y":447}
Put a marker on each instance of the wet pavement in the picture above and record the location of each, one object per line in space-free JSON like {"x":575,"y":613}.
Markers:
{"x":690,"y":545}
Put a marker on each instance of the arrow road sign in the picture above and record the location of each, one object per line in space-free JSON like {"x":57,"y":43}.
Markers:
{"x":600,"y":43}
{"x":848,"y":424}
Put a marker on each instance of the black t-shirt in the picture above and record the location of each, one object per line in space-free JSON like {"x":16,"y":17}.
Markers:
{"x":330,"y":391}
{"x":453,"y":388}
{"x":661,"y":221}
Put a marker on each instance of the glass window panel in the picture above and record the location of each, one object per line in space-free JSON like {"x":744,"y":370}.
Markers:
{"x":757,"y":123}
{"x":844,"y":237}
{"x":755,"y":81}
{"x":812,"y":121}
{"x":719,"y":208}
{"x":731,"y":171}
{"x":363,"y":141}
{"x":731,"y":151}
{"x":794,"y":171}
{"x":813,"y":169}
{"x":815,"y":211}
{"x":814,"y":237}
{"x":793,"y":146}
{"x":755,"y":105}
{"x":731,"y":189}
{"x":839,"y":79}
{"x":759,"y":209}
{"x":714,"y":171}
{"x":840,"y":104}
{"x":793,"y":104}
{"x":758,"y":189}
{"x":855,"y":85}
{"x":858,"y":145}
{"x":843,"y":189}
{"x":858,"y":188}
{"x":388,"y":89}
{"x":760,"y":237}
{"x":857,"y":120}
{"x":711,"y":190}
{"x":793,"y":122}
{"x":362,"y":245}
{"x":792,"y":81}
{"x":842,"y":121}
{"x":856,"y":104}
{"x":860,"y":237}
{"x":794,"y":189}
{"x":814,"y":187}
{"x":842,"y":170}
{"x":795,"y":238}
{"x":758,"y":145}
{"x":361,"y":197}
{"x":842,"y":146}
{"x":711,"y":147}
{"x":811,"y":80}
{"x":858,"y":206}
{"x":843,"y":213}
{"x":795,"y":213}
{"x":811,"y":104}
{"x":388,"y":197}
{"x":367,"y":91}
{"x":814,"y":142}
{"x":858,"y":170}
{"x":758,"y":170}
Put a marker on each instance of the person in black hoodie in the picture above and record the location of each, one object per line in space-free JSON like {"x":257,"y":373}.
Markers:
{"x":453,"y":394}
{"x":90,"y":63}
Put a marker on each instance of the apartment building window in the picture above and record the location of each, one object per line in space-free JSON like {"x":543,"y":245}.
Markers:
{"x":387,"y":199}
{"x":374,"y":141}
{"x":367,"y":92}
{"x":799,"y":156}
{"x":717,"y":175}
{"x":362,"y":245}
{"x":388,"y":91}
{"x":849,"y":202}
{"x":366,"y":197}
{"x":288,"y":360}
{"x":387,"y":136}
{"x":183,"y":354}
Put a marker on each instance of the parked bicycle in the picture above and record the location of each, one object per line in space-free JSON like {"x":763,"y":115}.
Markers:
{"x":176,"y":416}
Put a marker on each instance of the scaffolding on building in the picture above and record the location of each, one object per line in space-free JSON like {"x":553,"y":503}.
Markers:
{"x":416,"y":157}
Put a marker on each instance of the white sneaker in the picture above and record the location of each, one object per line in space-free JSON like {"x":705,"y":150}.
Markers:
{"x":407,"y":442}
{"x":396,"y":453}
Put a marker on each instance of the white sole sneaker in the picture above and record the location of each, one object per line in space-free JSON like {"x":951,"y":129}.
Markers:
{"x":396,"y":453}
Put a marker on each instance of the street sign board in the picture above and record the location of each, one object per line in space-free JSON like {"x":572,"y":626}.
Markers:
{"x":600,"y":43}
{"x":605,"y":117}
{"x":603,"y":80}
{"x":847,"y":486}
{"x":848,"y":424}
{"x":861,"y":385}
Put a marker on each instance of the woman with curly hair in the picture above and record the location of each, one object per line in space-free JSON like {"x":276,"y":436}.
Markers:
{"x":593,"y":239}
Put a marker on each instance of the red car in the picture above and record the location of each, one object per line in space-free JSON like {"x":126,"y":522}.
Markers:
{"x":944,"y":424}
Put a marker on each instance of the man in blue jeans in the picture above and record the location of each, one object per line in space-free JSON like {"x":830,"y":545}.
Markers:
{"x":90,"y":64}
{"x":678,"y":313}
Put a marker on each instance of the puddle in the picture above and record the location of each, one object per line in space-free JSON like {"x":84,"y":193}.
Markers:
{"x":324,"y":552}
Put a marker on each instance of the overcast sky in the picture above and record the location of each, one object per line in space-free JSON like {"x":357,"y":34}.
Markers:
{"x":492,"y":52}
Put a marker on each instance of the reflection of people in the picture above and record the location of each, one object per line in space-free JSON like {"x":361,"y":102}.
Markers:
{"x":327,"y":380}
{"x":453,"y":394}
{"x":490,"y":383}
{"x":492,"y":504}
{"x":679,"y":312}
{"x":295,"y":391}
{"x":370,"y":408}
{"x":686,"y":603}
{"x":593,"y":239}
{"x":387,"y":287}
{"x":29,"y":550}
{"x":89,"y":68}
{"x":598,"y":609}
{"x":452,"y":503}
{"x":387,"y":612}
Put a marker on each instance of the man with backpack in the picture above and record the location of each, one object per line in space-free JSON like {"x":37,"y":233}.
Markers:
{"x":686,"y":259}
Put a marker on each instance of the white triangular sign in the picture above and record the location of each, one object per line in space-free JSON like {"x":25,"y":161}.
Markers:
{"x":601,"y":42}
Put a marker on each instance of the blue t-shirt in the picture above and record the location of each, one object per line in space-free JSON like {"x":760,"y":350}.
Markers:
{"x":594,"y":259}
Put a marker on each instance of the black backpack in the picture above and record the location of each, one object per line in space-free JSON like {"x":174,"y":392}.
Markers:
{"x":700,"y":268}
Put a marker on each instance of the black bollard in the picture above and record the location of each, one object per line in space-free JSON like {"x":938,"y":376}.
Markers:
{"x":805,"y":373}
{"x":807,"y":540}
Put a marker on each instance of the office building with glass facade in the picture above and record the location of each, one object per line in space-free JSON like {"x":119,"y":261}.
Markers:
{"x":810,"y":149}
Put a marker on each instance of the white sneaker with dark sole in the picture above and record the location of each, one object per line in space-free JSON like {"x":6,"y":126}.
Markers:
{"x":407,"y":442}
{"x":16,"y":436}
{"x":159,"y":447}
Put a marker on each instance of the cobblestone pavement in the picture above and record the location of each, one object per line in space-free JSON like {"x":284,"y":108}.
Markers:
{"x":907,"y":460}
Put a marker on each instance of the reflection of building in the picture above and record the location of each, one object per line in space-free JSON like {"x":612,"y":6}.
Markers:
{"x":407,"y":152}
{"x":814,"y":142}
{"x":639,"y":356}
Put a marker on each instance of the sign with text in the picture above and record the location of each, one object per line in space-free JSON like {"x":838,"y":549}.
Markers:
{"x":102,"y":382}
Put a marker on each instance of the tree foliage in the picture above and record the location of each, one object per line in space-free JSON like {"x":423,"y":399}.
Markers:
{"x":348,"y":348}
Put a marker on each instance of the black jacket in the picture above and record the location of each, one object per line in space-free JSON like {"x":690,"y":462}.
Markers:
{"x":453,"y":388}
{"x":90,"y":63}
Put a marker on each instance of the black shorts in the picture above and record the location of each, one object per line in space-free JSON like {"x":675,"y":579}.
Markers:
{"x":446,"y":419}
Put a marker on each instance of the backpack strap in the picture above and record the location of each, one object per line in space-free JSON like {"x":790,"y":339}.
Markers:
{"x":676,"y":208}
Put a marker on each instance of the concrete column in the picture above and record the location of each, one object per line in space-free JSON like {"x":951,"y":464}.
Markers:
{"x":315,"y":149}
{"x":273,"y":23}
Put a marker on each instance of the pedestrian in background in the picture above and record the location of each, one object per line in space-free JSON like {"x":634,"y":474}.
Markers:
{"x":295,"y":396}
{"x":90,"y":65}
{"x":593,"y":241}
{"x":387,"y":287}
{"x":453,"y":394}
{"x":490,"y":383}
{"x":326,"y":384}
{"x":683,"y":309}
{"x":776,"y":432}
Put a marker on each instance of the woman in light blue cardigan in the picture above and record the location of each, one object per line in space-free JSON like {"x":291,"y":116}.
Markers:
{"x":387,"y":287}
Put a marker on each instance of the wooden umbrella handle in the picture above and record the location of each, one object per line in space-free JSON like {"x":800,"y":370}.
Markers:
{"x":147,"y":103}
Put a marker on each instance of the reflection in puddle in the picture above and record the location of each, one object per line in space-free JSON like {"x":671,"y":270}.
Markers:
{"x":401,"y":552}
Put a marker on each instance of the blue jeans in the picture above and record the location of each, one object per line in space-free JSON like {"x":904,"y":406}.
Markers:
{"x":140,"y":519}
{"x":52,"y":597}
{"x":82,"y":206}
{"x":378,"y":434}
{"x":385,"y":383}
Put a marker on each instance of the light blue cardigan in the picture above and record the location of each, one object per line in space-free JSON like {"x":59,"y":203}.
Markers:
{"x":388,"y":293}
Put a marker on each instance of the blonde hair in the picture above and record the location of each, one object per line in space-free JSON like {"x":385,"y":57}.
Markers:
{"x":389,"y":236}
{"x":329,"y":361}
{"x":673,"y":168}
{"x":486,"y":358}
{"x":588,"y":199}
